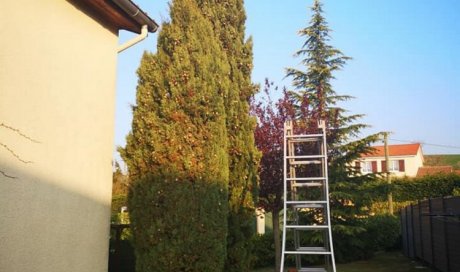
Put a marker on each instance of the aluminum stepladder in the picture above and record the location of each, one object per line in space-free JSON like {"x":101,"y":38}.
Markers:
{"x":306,"y":216}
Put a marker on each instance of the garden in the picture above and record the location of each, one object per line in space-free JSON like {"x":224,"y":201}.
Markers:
{"x":206,"y":150}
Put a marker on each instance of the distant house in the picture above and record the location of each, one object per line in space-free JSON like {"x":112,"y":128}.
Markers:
{"x":405,"y":160}
{"x":57,"y":113}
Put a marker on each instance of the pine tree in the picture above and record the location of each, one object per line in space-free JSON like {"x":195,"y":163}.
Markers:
{"x":229,"y":19}
{"x":317,"y":100}
{"x":177,"y":150}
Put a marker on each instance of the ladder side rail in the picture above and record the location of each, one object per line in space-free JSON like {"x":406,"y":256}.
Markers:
{"x":326,"y":175}
{"x":283,"y":248}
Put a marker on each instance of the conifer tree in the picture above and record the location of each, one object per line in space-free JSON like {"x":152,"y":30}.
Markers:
{"x":177,"y":150}
{"x":229,"y":19}
{"x":317,"y":100}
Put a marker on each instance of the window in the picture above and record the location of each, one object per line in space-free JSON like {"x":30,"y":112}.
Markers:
{"x":369,"y":167}
{"x":366,"y":167}
{"x":394,"y":166}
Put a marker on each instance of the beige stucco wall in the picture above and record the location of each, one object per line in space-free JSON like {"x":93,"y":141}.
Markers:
{"x":57,"y":85}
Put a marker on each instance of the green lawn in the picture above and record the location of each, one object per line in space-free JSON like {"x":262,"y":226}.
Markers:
{"x":383,"y":262}
{"x":434,"y":160}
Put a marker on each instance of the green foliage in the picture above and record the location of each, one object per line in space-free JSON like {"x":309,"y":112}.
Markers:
{"x":264,"y":250}
{"x":181,"y":228}
{"x":177,"y":151}
{"x":228,"y":18}
{"x":349,"y":241}
{"x":383,"y":232}
{"x":407,"y":189}
{"x":414,"y":189}
{"x":118,"y":201}
{"x":317,"y":100}
{"x":361,"y":238}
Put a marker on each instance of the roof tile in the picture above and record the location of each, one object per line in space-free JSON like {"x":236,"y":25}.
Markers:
{"x":395,"y":150}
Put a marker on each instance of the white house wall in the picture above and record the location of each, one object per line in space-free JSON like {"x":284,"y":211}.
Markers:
{"x":57,"y":86}
{"x":411,"y":164}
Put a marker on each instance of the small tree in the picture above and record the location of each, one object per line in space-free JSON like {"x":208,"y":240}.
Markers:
{"x":269,"y":140}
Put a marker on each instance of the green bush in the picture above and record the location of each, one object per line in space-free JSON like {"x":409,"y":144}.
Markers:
{"x":264,"y":251}
{"x":383,"y":232}
{"x":350,"y":243}
{"x":361,"y":238}
{"x":178,"y":223}
{"x":412,"y":189}
{"x":357,"y":240}
{"x":118,"y":201}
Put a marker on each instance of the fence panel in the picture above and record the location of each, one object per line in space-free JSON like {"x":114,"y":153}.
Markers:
{"x":417,"y":231}
{"x":431,"y":232}
{"x":452,"y":208}
{"x":425,"y":224}
{"x":405,"y":245}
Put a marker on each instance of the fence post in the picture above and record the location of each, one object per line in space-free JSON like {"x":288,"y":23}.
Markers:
{"x":431,"y":230}
{"x":446,"y":238}
{"x":403,"y":230}
{"x":420,"y":228}
{"x":414,"y":252}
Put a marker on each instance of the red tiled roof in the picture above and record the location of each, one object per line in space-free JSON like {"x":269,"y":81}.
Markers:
{"x":430,"y":170}
{"x":395,"y":150}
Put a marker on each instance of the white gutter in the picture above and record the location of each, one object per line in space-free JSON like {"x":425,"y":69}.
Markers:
{"x":133,"y":41}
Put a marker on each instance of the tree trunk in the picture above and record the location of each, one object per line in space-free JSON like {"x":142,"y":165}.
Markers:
{"x":276,"y":236}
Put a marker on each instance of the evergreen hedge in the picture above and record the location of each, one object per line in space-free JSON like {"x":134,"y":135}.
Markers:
{"x":414,"y":189}
{"x":177,"y":150}
{"x":179,"y":224}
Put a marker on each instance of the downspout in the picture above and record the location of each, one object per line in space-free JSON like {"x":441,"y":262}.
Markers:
{"x":133,"y":41}
{"x":148,"y":25}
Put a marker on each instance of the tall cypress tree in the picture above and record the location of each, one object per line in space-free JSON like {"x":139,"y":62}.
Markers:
{"x":177,"y":150}
{"x":229,"y":19}
{"x":317,"y":100}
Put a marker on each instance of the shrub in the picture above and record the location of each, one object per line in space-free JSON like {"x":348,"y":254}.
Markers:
{"x":383,"y":232}
{"x":264,"y":251}
{"x":350,"y":242}
{"x":178,"y":224}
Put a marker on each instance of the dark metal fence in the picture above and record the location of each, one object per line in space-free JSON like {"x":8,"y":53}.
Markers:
{"x":121,"y":253}
{"x":431,"y":232}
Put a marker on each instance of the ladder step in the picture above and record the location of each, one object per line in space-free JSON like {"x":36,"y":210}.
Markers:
{"x":304,"y":136}
{"x":300,"y":202}
{"x":305,"y":162}
{"x":312,"y":269}
{"x":314,"y":249}
{"x":311,"y":252}
{"x":304,"y":140}
{"x":309,"y":227}
{"x":307,"y":184}
{"x":307,"y":179}
{"x":306,"y":157}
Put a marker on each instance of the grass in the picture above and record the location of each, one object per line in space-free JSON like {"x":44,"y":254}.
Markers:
{"x":382,"y":262}
{"x":434,"y":160}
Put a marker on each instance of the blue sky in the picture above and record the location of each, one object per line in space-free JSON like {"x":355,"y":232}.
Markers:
{"x":404,"y":75}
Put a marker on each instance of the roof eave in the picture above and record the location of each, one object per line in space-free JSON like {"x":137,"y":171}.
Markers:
{"x":141,"y":17}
